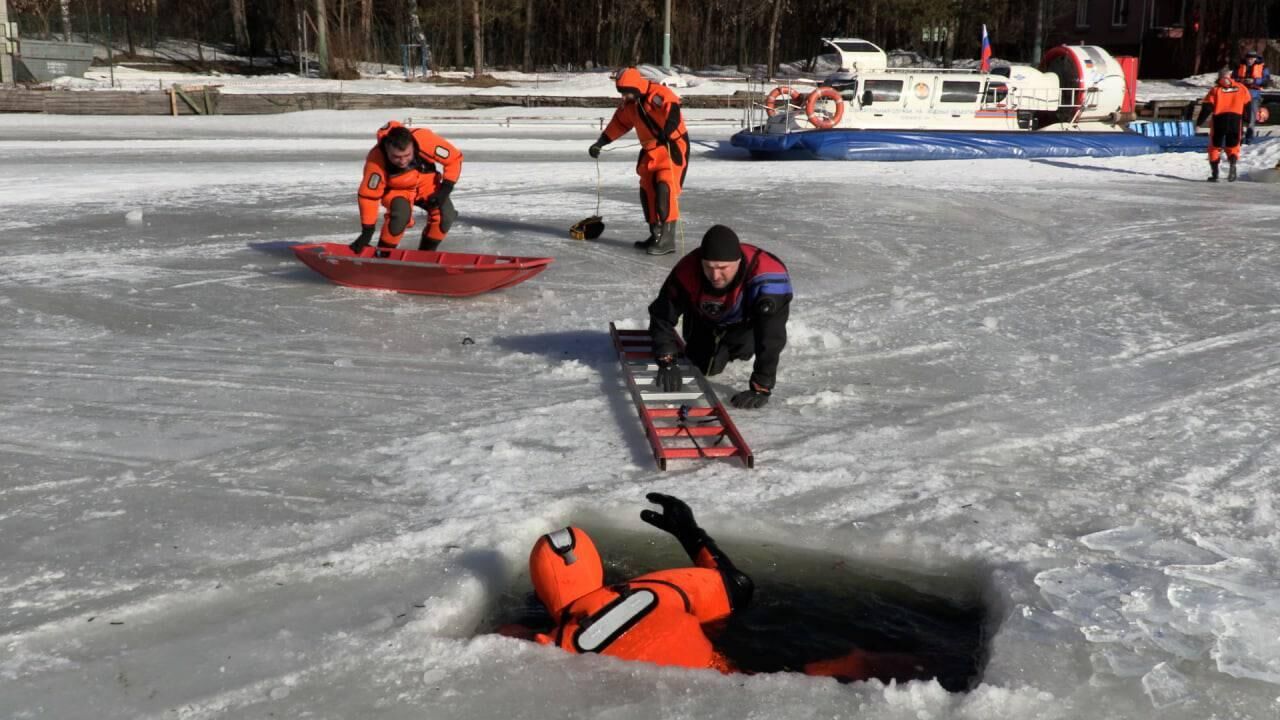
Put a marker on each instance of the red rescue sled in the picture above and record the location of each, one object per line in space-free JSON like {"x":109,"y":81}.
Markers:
{"x":420,"y":272}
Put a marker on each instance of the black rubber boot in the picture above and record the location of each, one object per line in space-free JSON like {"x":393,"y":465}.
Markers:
{"x":1214,"y":177}
{"x":427,"y":244}
{"x":1231,"y":172}
{"x":649,"y":241}
{"x":666,"y":240}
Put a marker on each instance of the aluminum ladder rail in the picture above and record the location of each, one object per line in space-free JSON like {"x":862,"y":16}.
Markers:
{"x":687,"y":424}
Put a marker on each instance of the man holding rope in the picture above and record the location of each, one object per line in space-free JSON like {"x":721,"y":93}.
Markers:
{"x":654,"y":111}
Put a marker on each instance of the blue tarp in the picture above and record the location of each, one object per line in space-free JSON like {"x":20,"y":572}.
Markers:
{"x":895,"y":145}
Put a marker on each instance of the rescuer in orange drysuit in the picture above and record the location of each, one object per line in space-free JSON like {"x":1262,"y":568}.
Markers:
{"x":654,"y":111}
{"x":400,"y":172}
{"x":1227,"y":101}
{"x":659,"y":617}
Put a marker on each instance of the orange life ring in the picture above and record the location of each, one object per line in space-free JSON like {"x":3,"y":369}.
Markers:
{"x":771,"y":102}
{"x":811,"y":108}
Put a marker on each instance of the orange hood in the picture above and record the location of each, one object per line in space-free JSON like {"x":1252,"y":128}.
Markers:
{"x":564,"y":566}
{"x":630,"y":80}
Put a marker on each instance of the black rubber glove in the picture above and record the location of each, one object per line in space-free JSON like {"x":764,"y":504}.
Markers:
{"x":752,"y":398}
{"x":362,"y":242}
{"x":437,"y":198}
{"x":676,"y":518}
{"x":598,"y":145}
{"x":669,"y":377}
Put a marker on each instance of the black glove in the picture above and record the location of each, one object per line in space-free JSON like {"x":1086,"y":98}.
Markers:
{"x":594,"y":150}
{"x":752,"y":398}
{"x":676,"y":518}
{"x":669,"y":377}
{"x":362,"y":242}
{"x":437,"y":198}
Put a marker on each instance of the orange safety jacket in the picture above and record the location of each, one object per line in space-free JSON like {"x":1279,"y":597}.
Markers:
{"x":381,"y":179}
{"x":1233,"y":99}
{"x":1251,"y":76}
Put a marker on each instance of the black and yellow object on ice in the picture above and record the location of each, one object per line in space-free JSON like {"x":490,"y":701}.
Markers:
{"x":587,"y":228}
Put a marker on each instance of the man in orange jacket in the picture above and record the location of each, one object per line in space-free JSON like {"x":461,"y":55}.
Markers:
{"x":654,"y":112}
{"x":656,"y":617}
{"x":1253,"y":74}
{"x":400,"y":172}
{"x":1227,"y":102}
{"x":661,"y":617}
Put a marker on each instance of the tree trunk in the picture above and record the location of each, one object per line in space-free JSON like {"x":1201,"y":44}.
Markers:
{"x":949,"y":51}
{"x":366,"y":24}
{"x":596,"y":53}
{"x":775,"y":16}
{"x":477,"y":35}
{"x":239,"y":24}
{"x":528,"y":36}
{"x":322,"y":38}
{"x":1199,"y":38}
{"x":66,"y":20}
{"x":459,"y":57}
{"x":635,"y":45}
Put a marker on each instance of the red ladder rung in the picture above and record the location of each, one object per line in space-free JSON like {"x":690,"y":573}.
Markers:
{"x":675,"y":412}
{"x":700,"y":452}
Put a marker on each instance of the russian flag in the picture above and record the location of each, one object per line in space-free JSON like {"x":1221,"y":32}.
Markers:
{"x":986,"y":50}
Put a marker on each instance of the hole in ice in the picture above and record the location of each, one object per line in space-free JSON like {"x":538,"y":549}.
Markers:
{"x":855,"y":620}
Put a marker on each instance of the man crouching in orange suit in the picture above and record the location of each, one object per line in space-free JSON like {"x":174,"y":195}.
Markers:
{"x":659,"y":617}
{"x":400,"y":172}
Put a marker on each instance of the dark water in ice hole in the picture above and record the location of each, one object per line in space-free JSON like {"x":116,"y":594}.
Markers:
{"x":808,"y":606}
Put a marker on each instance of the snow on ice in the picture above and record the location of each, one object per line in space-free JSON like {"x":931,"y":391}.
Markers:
{"x":231,"y":489}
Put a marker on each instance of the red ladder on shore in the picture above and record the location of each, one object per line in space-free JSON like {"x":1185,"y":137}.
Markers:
{"x":688,"y":424}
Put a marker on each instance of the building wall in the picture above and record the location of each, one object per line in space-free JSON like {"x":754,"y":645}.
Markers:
{"x":6,"y":59}
{"x":1150,"y":29}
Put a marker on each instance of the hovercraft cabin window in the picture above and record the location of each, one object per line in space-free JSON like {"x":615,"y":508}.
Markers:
{"x":884,"y":90}
{"x":996,"y":93}
{"x":861,"y":47}
{"x":955,"y":91}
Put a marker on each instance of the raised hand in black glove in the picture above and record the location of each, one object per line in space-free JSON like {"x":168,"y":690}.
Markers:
{"x":362,"y":242}
{"x":594,"y":150}
{"x":437,"y":198}
{"x":669,"y":377}
{"x":676,"y":518}
{"x":752,"y":398}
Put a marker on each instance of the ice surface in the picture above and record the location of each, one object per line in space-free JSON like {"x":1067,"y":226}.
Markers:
{"x":231,"y":489}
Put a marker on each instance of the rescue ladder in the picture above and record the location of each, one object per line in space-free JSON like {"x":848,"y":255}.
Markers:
{"x":688,"y":424}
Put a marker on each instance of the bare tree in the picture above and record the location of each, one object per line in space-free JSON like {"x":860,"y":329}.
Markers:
{"x":477,"y":35}
{"x":240,"y":24}
{"x":527,"y":65}
{"x":66,"y":20}
{"x":366,"y":24}
{"x":775,"y":16}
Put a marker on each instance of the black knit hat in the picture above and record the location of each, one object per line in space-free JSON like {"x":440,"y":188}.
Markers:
{"x":720,"y":244}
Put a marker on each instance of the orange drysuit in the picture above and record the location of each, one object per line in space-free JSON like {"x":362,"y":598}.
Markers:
{"x":656,"y":617}
{"x":664,"y":143}
{"x":1228,"y":105}
{"x":398,"y":189}
{"x":659,"y":617}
